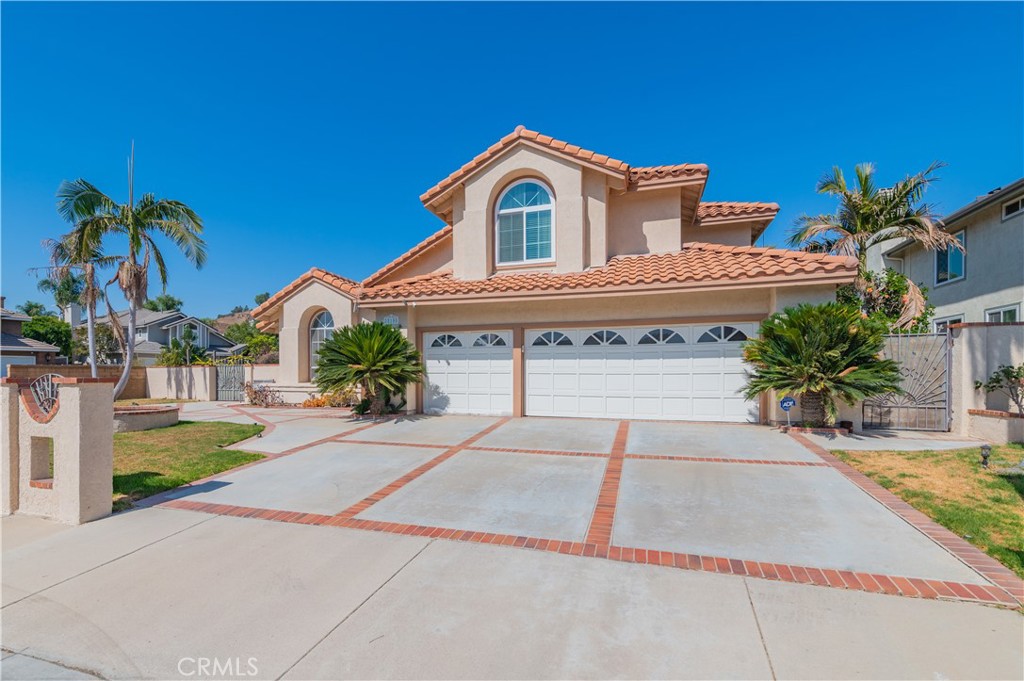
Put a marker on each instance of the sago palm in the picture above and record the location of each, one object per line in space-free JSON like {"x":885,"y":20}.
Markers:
{"x":375,"y":357}
{"x":96,"y":216}
{"x":820,"y":354}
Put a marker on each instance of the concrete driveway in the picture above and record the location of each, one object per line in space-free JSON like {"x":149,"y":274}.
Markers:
{"x":473,"y":547}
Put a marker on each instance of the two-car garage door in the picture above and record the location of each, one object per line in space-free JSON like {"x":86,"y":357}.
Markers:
{"x":680,"y":372}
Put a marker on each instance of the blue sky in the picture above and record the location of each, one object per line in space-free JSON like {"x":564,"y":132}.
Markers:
{"x":304,"y":134}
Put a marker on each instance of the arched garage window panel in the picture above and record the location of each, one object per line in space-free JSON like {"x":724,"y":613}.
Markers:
{"x":722,"y":334}
{"x":320,"y":329}
{"x":552,"y":338}
{"x":446,"y":341}
{"x":604,"y":338}
{"x":524,"y":222}
{"x":660,"y":336}
{"x":489,"y":340}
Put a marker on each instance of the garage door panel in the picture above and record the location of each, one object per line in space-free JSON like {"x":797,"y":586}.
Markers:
{"x":468,"y":378}
{"x":658,"y":380}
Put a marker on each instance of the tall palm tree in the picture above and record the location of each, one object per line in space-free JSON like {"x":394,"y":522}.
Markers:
{"x":67,"y":257}
{"x":869,"y":214}
{"x":97,"y":216}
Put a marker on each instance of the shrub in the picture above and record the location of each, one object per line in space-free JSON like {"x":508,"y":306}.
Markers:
{"x":261,"y":395}
{"x":820,"y":354}
{"x":1008,"y":380}
{"x":343,"y":398}
{"x":374,"y":357}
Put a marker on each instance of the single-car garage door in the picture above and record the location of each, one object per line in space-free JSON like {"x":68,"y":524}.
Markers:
{"x":468,"y":372}
{"x":685,"y":373}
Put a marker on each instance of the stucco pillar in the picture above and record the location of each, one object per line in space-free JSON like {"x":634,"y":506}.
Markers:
{"x":9,"y":464}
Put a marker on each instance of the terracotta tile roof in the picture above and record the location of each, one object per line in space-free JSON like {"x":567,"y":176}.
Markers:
{"x":347,"y":286}
{"x":521,"y":133}
{"x":435,"y":238}
{"x":653,"y":174}
{"x":697,"y":264}
{"x":731,"y":209}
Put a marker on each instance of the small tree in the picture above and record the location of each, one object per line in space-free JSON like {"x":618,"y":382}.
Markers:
{"x":1008,"y":380}
{"x":48,"y":329}
{"x":374,"y":357}
{"x":891,"y":299}
{"x":163,"y":303}
{"x":182,"y":352}
{"x":32,"y":308}
{"x":105,"y":343}
{"x":820,"y":354}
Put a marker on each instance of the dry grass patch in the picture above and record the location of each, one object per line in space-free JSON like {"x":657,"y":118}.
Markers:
{"x":147,"y":400}
{"x":150,"y":461}
{"x":951,"y":487}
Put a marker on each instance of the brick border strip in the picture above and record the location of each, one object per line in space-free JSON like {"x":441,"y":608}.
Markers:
{"x":972,"y":556}
{"x":599,"y":532}
{"x":401,"y":482}
{"x":826,"y":577}
{"x":718,"y":459}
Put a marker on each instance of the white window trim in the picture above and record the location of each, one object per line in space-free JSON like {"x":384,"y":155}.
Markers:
{"x":951,"y":319}
{"x":1002,"y":209}
{"x":497,"y":236}
{"x":935,"y":262}
{"x":1002,"y":309}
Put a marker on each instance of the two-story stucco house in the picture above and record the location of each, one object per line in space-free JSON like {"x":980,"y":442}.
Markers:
{"x":985,"y":282}
{"x":567,"y":283}
{"x":15,"y":348}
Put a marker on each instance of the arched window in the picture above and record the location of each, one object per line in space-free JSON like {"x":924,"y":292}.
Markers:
{"x":660,"y":336}
{"x":722,"y":334}
{"x":604,"y":338}
{"x":524,"y":222}
{"x":320,"y":329}
{"x":552,"y":338}
{"x":489,"y":340}
{"x":446,"y":341}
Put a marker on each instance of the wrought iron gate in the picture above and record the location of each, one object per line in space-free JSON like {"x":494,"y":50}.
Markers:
{"x":924,"y":405}
{"x":230,"y":379}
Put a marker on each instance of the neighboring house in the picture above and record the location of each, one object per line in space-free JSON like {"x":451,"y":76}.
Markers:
{"x":983,"y":284}
{"x":15,"y":348}
{"x":567,"y":283}
{"x":155,"y":330}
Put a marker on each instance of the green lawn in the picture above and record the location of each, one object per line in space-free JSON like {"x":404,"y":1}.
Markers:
{"x":151,"y":461}
{"x":952,"y":488}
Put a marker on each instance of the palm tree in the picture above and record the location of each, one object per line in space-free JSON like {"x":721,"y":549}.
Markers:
{"x":32,"y":308}
{"x":374,"y":357}
{"x":97,"y":216}
{"x":820,"y":354}
{"x":67,"y":255}
{"x":868,"y":215}
{"x":66,"y":290}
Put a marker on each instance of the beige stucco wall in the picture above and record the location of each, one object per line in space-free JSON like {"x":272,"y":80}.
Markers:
{"x":182,"y":383}
{"x":82,"y":431}
{"x":438,"y":257}
{"x":473,"y":219}
{"x":994,"y":267}
{"x":977,"y":352}
{"x":995,"y":429}
{"x":734,"y":234}
{"x":298,"y":311}
{"x":645,"y":222}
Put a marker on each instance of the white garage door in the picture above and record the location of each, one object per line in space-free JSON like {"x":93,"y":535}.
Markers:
{"x":684,"y":373}
{"x":468,"y":372}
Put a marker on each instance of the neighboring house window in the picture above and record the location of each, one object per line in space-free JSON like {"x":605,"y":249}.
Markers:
{"x":320,"y":329}
{"x":941,"y":325}
{"x":949,"y":264}
{"x":524,"y":223}
{"x":1010,"y":313}
{"x":140,"y":332}
{"x":1013,"y":207}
